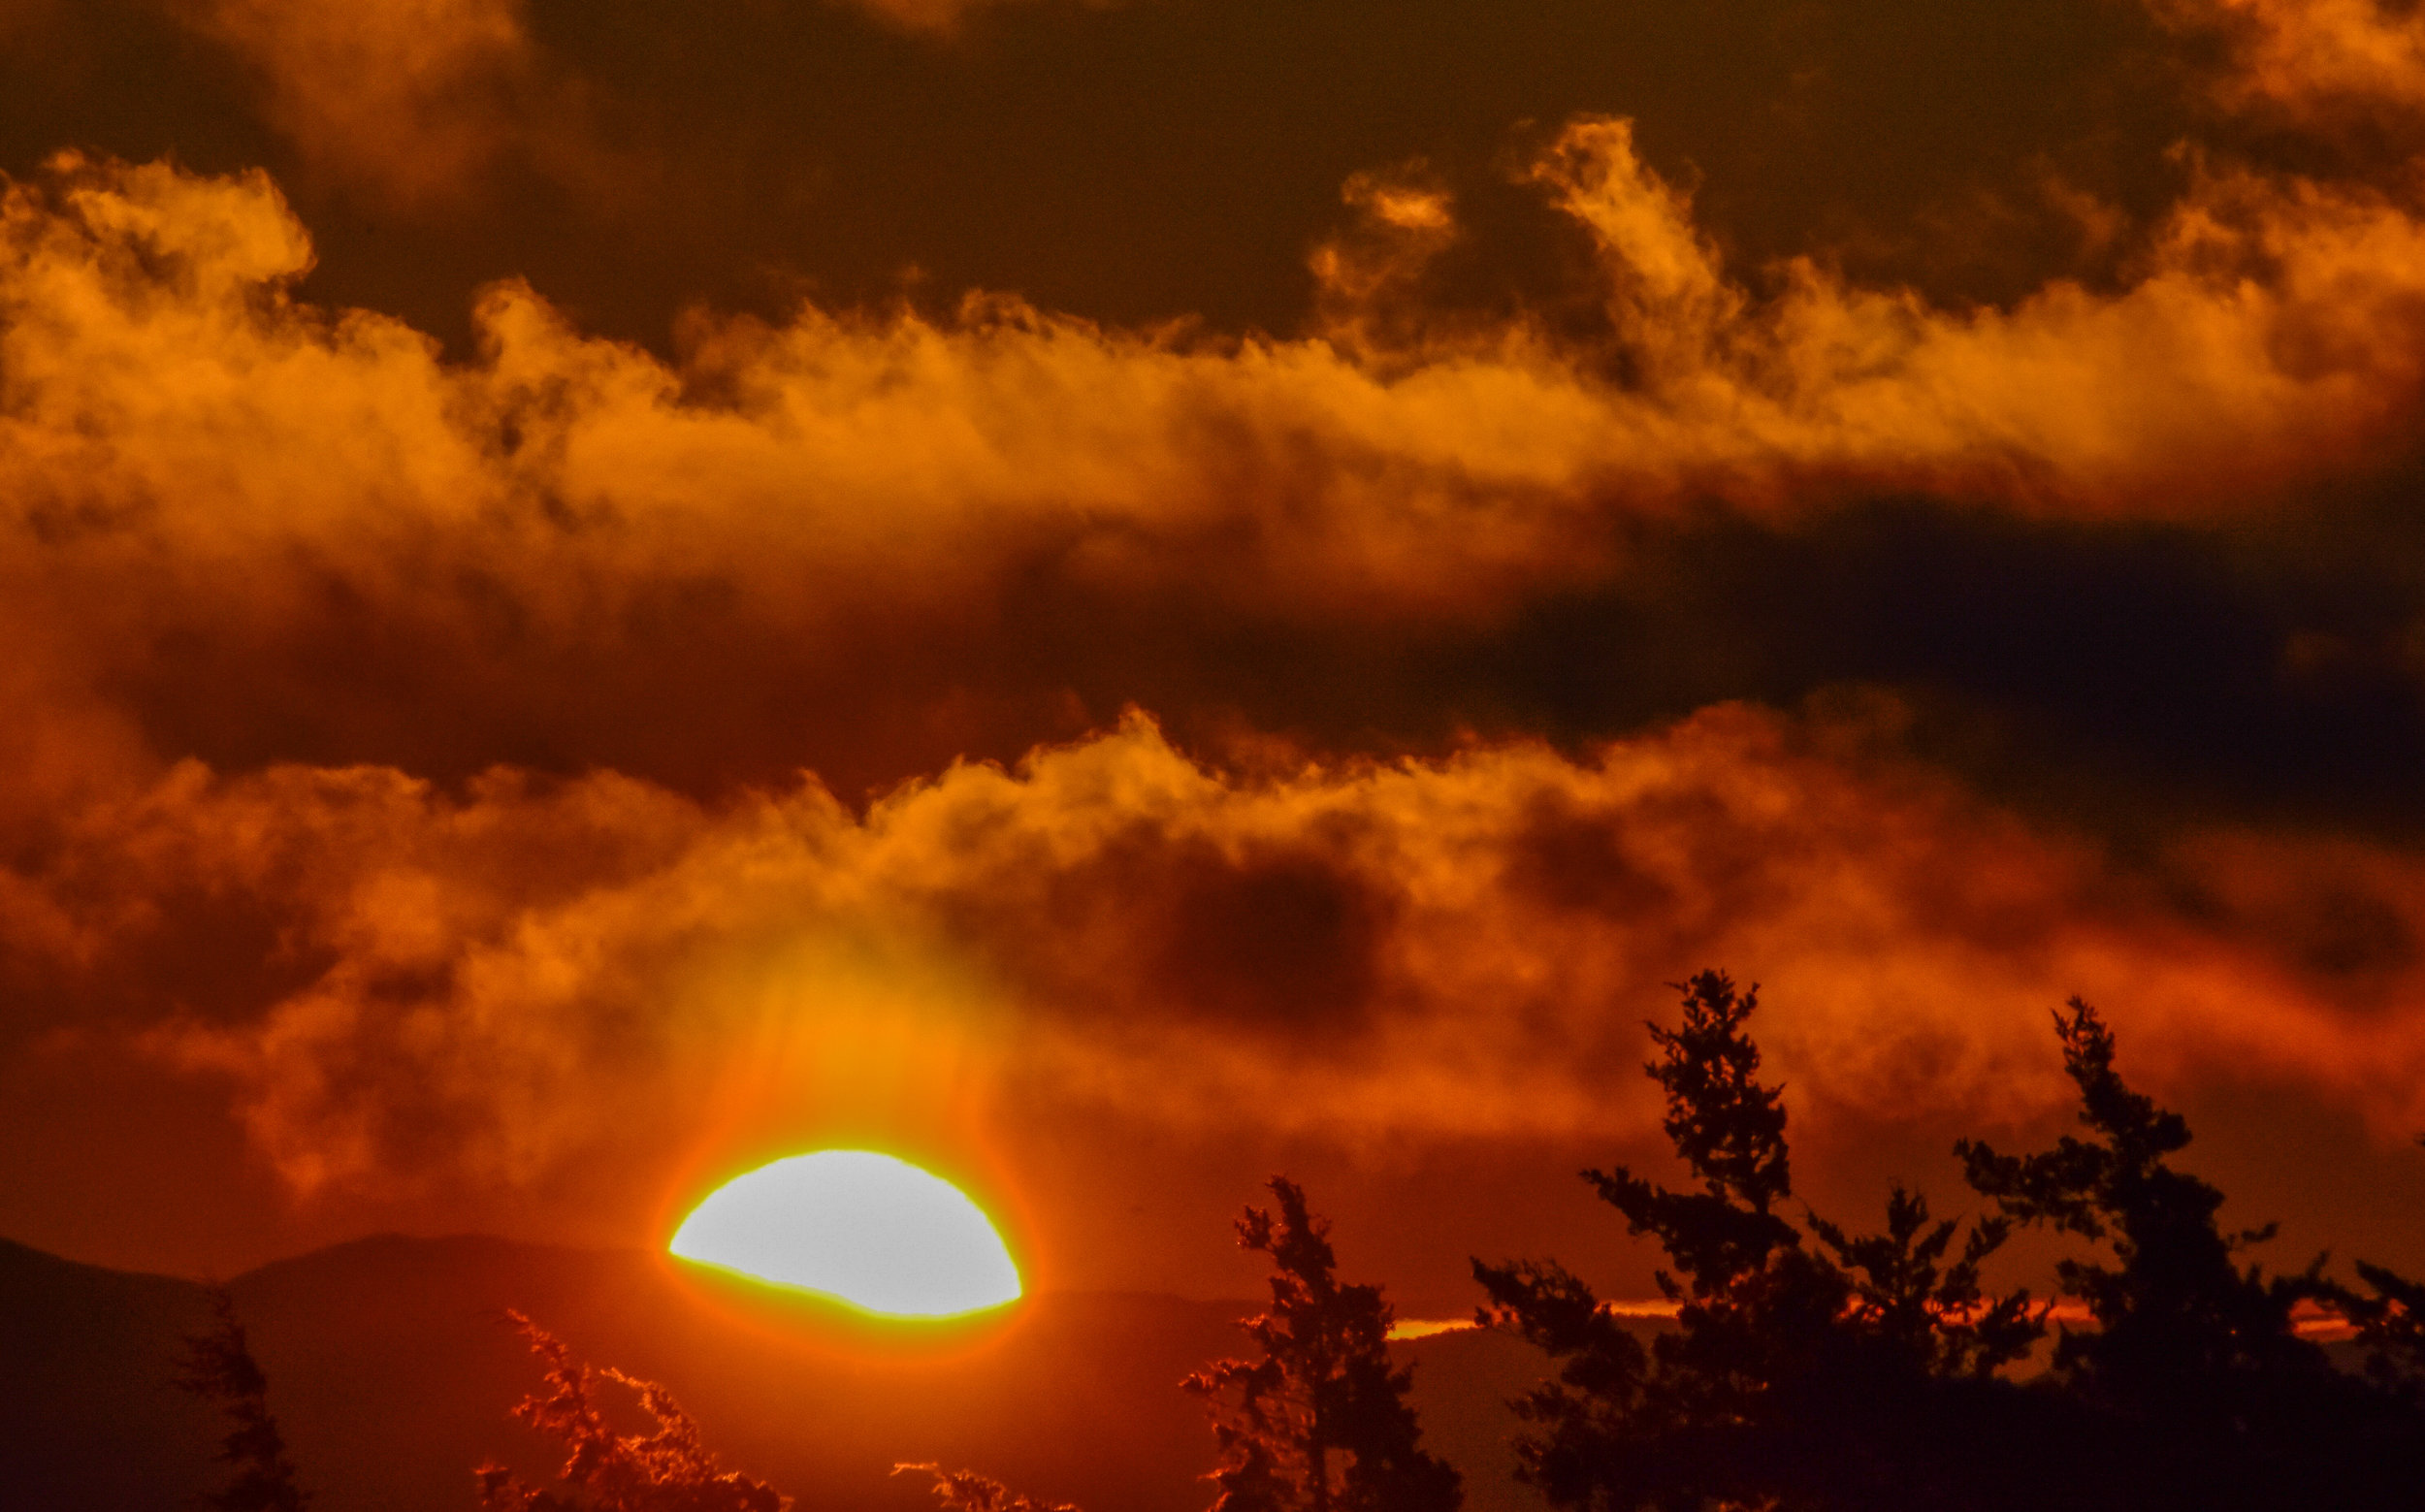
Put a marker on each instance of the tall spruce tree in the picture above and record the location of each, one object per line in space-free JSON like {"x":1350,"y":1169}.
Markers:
{"x":1320,"y":1422}
{"x":220,"y":1366}
{"x":1858,"y":1374}
{"x":2207,"y":1395}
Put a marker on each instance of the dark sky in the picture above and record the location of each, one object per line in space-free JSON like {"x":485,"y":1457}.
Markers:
{"x":1120,"y":597}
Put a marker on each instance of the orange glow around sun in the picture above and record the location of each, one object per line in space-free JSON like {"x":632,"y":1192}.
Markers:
{"x":867,"y":1229}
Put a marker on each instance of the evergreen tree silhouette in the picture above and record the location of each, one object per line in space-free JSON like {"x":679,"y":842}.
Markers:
{"x":2211,"y":1398}
{"x":2390,"y":1320}
{"x":669,"y":1471}
{"x":1320,"y":1422}
{"x":966,"y":1491}
{"x":2175,"y":1303}
{"x":218,"y":1365}
{"x":1856,"y":1374}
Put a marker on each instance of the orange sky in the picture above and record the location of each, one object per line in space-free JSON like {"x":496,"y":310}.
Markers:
{"x":574,"y":627}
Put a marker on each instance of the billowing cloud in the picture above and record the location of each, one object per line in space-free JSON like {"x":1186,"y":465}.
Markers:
{"x":408,"y":98}
{"x":16,"y":14}
{"x":194,"y":459}
{"x":2319,"y":61}
{"x":2264,"y":343}
{"x":932,"y":17}
{"x":484,"y":988}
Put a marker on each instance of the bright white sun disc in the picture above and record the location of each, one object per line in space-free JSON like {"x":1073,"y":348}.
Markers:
{"x":873,"y":1231}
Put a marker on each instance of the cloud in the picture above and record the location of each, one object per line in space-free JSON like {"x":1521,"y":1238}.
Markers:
{"x":213,"y":482}
{"x":480,"y":990}
{"x":2314,"y":61}
{"x":939,"y":18}
{"x":18,"y":14}
{"x":409,"y":99}
{"x":2264,"y":344}
{"x":249,"y":527}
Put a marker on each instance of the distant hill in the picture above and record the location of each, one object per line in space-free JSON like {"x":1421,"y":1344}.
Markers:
{"x":87,"y":1416}
{"x":392,"y":1369}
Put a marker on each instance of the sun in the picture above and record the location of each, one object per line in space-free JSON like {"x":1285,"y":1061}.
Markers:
{"x":865,"y":1227}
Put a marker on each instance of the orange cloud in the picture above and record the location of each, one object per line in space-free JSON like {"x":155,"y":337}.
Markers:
{"x":941,"y":19}
{"x":486,"y":988}
{"x":154,"y":357}
{"x":194,"y":457}
{"x":23,"y":14}
{"x":410,"y":98}
{"x":2313,"y":59}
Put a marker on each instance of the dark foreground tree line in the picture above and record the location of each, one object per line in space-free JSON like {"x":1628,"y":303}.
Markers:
{"x":1809,"y":1368}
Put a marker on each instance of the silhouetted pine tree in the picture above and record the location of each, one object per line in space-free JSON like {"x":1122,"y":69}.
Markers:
{"x":669,"y":1471}
{"x":966,"y":1491}
{"x":2390,"y":1316}
{"x":2209,"y":1399}
{"x":1320,"y":1422}
{"x":220,"y":1366}
{"x":2390,"y":1319}
{"x":1858,"y":1376}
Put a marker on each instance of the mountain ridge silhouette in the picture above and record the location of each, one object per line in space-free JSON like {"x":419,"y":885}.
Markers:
{"x":391,"y":1370}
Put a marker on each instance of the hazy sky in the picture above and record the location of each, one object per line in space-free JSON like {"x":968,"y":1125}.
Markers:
{"x":1115,"y":597}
